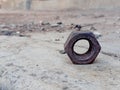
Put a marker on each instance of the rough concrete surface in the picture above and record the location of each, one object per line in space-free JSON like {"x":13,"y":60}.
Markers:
{"x":35,"y":62}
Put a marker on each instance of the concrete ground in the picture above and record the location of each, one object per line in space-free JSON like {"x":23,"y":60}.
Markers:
{"x":35,"y":62}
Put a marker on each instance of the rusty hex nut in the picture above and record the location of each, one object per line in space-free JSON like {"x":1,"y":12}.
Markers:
{"x":88,"y":57}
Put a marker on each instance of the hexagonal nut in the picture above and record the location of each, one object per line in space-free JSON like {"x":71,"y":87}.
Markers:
{"x":88,"y":57}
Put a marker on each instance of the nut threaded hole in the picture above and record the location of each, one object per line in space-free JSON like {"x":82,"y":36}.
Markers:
{"x":81,"y":46}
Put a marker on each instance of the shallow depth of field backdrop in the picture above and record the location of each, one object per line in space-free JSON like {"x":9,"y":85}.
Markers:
{"x":58,"y":4}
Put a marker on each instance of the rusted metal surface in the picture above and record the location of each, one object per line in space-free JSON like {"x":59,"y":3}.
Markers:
{"x":88,"y":57}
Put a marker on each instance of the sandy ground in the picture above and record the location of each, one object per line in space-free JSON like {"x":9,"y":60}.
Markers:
{"x":35,"y":62}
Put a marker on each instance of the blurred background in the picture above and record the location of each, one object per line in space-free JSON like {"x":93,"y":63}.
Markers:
{"x":58,"y":4}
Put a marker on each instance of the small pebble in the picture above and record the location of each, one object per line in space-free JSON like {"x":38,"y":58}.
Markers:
{"x":45,"y":23}
{"x":54,"y":25}
{"x":42,"y":29}
{"x":57,"y":39}
{"x":62,"y":52}
{"x":17,"y":32}
{"x":78,"y":27}
{"x":93,"y":28}
{"x":97,"y":34}
{"x":59,"y":23}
